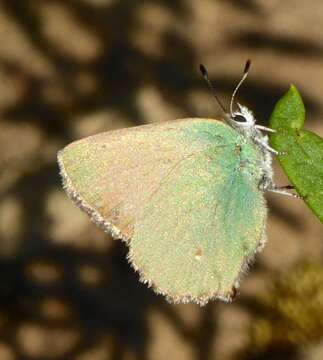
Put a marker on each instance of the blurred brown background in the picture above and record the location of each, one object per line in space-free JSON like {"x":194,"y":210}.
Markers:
{"x":69,"y":69}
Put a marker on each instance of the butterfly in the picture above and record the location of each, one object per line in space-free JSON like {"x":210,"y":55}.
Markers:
{"x":187,"y":196}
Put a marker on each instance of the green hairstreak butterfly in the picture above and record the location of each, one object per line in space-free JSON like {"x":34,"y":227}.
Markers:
{"x":186,"y":195}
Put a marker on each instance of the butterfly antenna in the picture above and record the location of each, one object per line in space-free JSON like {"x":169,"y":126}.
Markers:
{"x":211,"y":86}
{"x":245,"y":74}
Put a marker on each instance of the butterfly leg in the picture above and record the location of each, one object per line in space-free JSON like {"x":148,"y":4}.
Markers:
{"x":267,"y":147}
{"x":266,"y":129}
{"x":283,"y":191}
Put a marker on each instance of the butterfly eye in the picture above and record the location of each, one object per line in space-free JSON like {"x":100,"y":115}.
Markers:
{"x":239,"y":118}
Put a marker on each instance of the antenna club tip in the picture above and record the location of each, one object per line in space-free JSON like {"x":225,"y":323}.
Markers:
{"x":203,"y":69}
{"x":247,"y":66}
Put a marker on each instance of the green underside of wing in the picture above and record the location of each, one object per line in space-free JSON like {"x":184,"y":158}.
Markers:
{"x":189,"y":188}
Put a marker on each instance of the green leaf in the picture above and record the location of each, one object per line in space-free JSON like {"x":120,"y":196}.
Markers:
{"x":302,"y":161}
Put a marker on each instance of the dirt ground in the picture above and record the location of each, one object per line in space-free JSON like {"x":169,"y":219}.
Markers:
{"x":69,"y":69}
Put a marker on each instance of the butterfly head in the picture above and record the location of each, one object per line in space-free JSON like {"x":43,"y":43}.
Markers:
{"x":242,"y":118}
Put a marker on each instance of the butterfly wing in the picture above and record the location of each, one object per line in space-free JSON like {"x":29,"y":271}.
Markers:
{"x":185,"y":193}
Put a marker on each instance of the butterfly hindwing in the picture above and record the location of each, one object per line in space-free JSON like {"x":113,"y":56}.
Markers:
{"x":200,"y":229}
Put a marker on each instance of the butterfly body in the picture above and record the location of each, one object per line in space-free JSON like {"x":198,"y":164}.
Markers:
{"x":186,"y":195}
{"x":247,"y":126}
